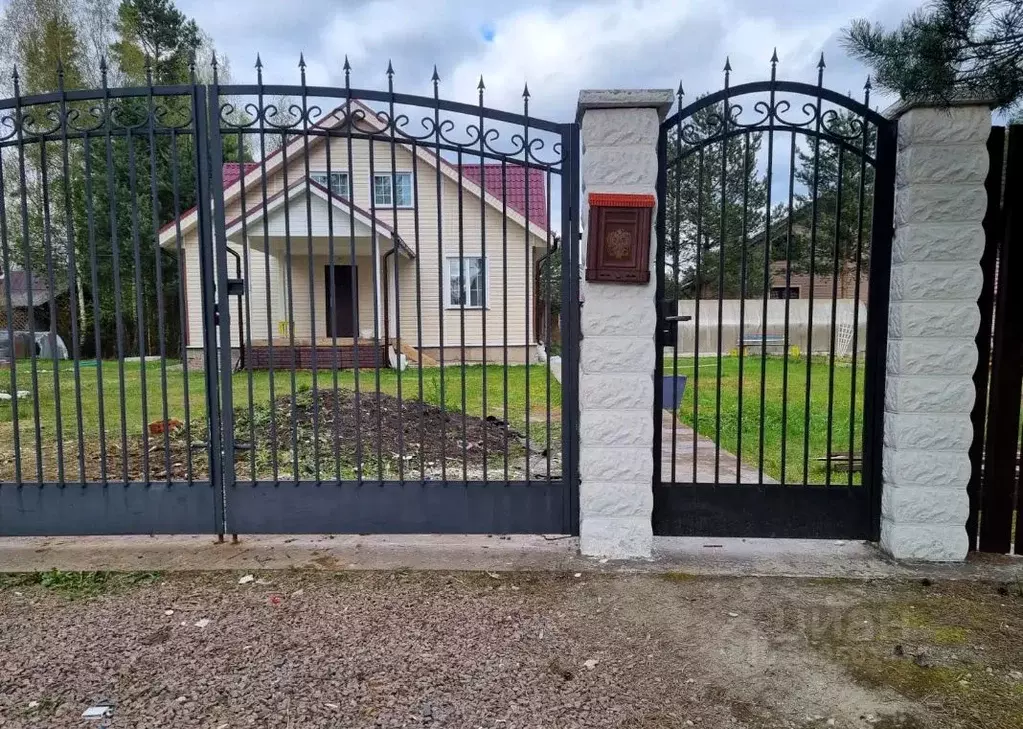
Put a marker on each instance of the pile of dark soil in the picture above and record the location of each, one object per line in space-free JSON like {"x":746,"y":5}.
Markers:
{"x":332,"y":430}
{"x":323,"y":437}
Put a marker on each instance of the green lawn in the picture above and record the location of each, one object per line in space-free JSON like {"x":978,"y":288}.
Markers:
{"x":705,"y":383}
{"x":139,"y":410}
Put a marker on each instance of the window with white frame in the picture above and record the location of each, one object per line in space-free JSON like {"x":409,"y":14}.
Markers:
{"x":395,"y":192}
{"x":339,"y":182}
{"x":467,"y":282}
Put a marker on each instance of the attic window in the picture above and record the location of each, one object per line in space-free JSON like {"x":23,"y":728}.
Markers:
{"x":339,"y":182}
{"x":397,"y":192}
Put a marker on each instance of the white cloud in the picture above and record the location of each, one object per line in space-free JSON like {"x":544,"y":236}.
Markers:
{"x":559,"y":47}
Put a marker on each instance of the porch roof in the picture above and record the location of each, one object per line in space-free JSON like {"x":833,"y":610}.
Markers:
{"x":350,"y":220}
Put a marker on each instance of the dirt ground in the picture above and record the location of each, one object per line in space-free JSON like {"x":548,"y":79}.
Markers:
{"x":403,"y":649}
{"x":324,"y":438}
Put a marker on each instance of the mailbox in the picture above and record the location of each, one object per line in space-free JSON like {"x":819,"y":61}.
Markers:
{"x":618,"y":240}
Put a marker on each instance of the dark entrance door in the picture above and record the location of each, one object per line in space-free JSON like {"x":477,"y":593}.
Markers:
{"x":340,"y":300}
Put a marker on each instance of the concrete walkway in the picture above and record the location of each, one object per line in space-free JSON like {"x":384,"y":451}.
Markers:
{"x":705,"y":452}
{"x":690,"y":555}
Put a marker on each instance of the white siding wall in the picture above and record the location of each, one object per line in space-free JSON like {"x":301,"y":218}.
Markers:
{"x":257,"y":289}
{"x":430,"y":246}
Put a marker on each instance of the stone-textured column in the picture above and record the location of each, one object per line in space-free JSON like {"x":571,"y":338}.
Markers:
{"x":936,"y":278}
{"x":616,"y":387}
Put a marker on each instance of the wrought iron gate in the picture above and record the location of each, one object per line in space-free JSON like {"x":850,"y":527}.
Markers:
{"x":332,"y":294}
{"x":774,"y":312}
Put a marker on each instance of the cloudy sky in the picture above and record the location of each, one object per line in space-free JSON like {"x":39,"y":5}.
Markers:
{"x":558,"y":46}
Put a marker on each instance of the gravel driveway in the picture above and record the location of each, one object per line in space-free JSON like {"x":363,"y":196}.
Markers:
{"x":317,"y":649}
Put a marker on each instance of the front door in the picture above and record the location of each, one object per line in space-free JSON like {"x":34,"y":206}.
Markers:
{"x":341,"y":298}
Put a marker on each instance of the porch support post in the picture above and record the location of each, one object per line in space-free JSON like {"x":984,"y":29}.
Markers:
{"x":618,"y":322}
{"x":933,"y":321}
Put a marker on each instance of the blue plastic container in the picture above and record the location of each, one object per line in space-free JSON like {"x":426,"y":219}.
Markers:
{"x":673,"y":387}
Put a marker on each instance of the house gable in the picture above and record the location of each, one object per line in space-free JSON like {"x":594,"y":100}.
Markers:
{"x":514,"y":205}
{"x":309,"y":209}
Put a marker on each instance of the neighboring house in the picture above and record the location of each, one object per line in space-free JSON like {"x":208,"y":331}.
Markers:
{"x":824,"y":284}
{"x":372,"y":301}
{"x":798,"y":283}
{"x":30,"y":300}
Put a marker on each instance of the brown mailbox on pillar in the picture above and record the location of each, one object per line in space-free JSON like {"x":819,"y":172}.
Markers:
{"x":618,"y":248}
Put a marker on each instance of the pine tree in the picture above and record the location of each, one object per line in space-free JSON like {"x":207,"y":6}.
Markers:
{"x":713,"y":213}
{"x":829,"y":177}
{"x":42,"y":42}
{"x":949,"y":48}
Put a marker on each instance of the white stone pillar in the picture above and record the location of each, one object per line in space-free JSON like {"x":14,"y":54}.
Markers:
{"x":936,"y":279}
{"x":616,"y":370}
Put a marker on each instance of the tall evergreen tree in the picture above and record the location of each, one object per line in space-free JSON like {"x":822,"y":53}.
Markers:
{"x":832,"y":213}
{"x":45,"y":50}
{"x":948,"y":48}
{"x":714,"y":207}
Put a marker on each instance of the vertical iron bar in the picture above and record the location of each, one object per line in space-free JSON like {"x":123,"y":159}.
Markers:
{"x":504,"y":296}
{"x":245,"y":347}
{"x":115,"y":251}
{"x":204,"y":194}
{"x":271,"y":377}
{"x":349,"y":126}
{"x":442,"y":305}
{"x":182,"y":301}
{"x":815,"y":188}
{"x":788,"y":299}
{"x":696,"y":321}
{"x":29,"y":276}
{"x":289,"y":278}
{"x":97,"y":335}
{"x":463,"y":284}
{"x":486,"y":278}
{"x":547,"y":314}
{"x":677,"y":252}
{"x":396,"y":262}
{"x":312,"y":273}
{"x":331,"y":318}
{"x":419,"y":314}
{"x":72,"y":265}
{"x":140,"y":311}
{"x":529,"y":257}
{"x":375,"y":253}
{"x":836,"y":252}
{"x":5,"y":251}
{"x":856,"y":290}
{"x":660,"y":298}
{"x":219,"y":248}
{"x":743,"y":270}
{"x":51,"y":282}
{"x":570,"y":369}
{"x":721,"y":277}
{"x":158,"y":265}
{"x":569,"y":328}
{"x":772,"y":113}
{"x":882,"y":229}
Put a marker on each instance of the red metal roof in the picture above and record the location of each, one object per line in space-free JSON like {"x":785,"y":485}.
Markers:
{"x":233,"y":170}
{"x":514,"y":188}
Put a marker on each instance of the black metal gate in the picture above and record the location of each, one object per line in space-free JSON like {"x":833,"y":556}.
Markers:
{"x":774,"y":314}
{"x":286,"y":309}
